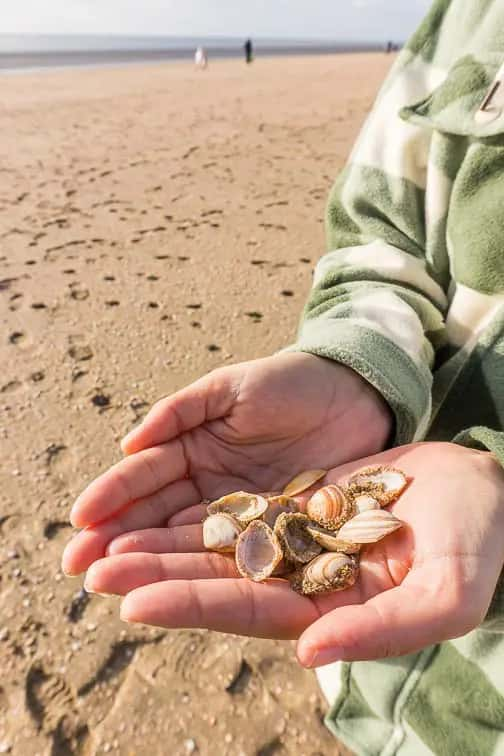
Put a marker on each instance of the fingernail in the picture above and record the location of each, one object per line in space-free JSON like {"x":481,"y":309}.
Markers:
{"x":127,"y":438}
{"x":324,"y":656}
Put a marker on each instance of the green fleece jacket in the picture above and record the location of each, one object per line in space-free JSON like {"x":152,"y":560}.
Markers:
{"x":411,"y":296}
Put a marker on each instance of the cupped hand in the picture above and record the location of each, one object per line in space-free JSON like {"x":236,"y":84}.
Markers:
{"x":250,"y":426}
{"x":429,"y":581}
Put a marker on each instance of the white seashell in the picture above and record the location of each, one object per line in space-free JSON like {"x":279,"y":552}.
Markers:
{"x":365,"y":502}
{"x":327,"y":572}
{"x":244,"y":506}
{"x":220,"y":532}
{"x":297,"y":544}
{"x":258,"y":551}
{"x":369,"y":527}
{"x":278,"y":505}
{"x":384,"y":483}
{"x":330,"y":507}
{"x":329,"y":540}
{"x":303,"y":481}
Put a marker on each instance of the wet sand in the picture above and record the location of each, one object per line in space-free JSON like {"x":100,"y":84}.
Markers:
{"x":155,"y":222}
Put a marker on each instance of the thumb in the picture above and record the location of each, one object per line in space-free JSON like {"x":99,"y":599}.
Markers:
{"x":208,"y":398}
{"x":399,"y":621}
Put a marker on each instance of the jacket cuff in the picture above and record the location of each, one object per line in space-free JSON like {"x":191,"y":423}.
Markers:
{"x":404,"y":384}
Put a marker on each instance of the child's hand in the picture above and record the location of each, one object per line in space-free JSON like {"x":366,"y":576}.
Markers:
{"x":250,"y":426}
{"x":430,"y":581}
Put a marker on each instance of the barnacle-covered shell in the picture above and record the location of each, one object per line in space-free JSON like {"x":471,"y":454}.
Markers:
{"x":278,"y":505}
{"x":297,"y":544}
{"x":363,"y":502}
{"x":329,"y":540}
{"x":369,"y":527}
{"x":327,"y":572}
{"x":220,"y":532}
{"x":330,"y":507}
{"x":303,"y":481}
{"x":258,"y":551}
{"x":384,"y":483}
{"x":244,"y":506}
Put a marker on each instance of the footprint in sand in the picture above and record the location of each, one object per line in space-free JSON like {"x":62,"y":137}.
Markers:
{"x":16,"y":337}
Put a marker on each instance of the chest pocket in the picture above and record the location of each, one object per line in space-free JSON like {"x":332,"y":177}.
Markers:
{"x":466,"y":114}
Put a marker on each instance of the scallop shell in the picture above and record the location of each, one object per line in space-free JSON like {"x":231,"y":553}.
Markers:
{"x":384,"y":483}
{"x":303,"y":481}
{"x":329,"y":540}
{"x":327,"y":572}
{"x":330,"y":507}
{"x":363,"y":502}
{"x":278,"y":505}
{"x":258,"y":551}
{"x":220,"y":532}
{"x":369,"y":527}
{"x":297,"y":544}
{"x":244,"y":506}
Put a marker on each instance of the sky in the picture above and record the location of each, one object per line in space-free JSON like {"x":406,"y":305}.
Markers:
{"x":351,"y":20}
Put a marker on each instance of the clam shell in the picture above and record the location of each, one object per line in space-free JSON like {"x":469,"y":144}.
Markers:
{"x":297,"y":544}
{"x":278,"y":505}
{"x":369,"y":527}
{"x":327,"y":572}
{"x":330,"y":507}
{"x":363,"y":502}
{"x":329,"y":540}
{"x":303,"y":481}
{"x":258,"y":551}
{"x":244,"y":506}
{"x":384,"y":483}
{"x":220,"y":532}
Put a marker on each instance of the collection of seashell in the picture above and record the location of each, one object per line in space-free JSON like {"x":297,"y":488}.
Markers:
{"x":317,"y":551}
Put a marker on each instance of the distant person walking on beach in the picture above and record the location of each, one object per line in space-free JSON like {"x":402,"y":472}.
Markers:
{"x":200,"y":58}
{"x":248,"y":51}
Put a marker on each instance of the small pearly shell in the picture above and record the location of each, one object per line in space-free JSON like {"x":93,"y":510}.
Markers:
{"x":369,"y":527}
{"x":384,"y":483}
{"x":330,"y":541}
{"x":303,"y":481}
{"x":297,"y":544}
{"x":258,"y":551}
{"x":244,"y":506}
{"x":220,"y":532}
{"x":330,"y":507}
{"x":278,"y":505}
{"x":327,"y":572}
{"x":364,"y":502}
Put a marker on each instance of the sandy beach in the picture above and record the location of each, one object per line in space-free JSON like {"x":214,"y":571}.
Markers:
{"x":155,"y":222}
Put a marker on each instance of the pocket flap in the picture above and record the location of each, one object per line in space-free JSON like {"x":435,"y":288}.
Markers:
{"x":454,"y":106}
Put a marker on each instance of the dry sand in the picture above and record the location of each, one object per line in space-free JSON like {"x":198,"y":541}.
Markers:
{"x":155,"y":222}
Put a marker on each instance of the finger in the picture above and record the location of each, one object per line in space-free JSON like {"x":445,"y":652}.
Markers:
{"x":189,"y":516}
{"x":132,"y":478}
{"x":152,"y":511}
{"x":396,"y":622}
{"x":123,"y":573}
{"x":206,"y":399}
{"x":186,"y":538}
{"x":265,"y":610}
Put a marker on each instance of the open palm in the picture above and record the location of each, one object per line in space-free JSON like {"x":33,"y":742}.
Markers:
{"x":251,"y":426}
{"x":429,"y":581}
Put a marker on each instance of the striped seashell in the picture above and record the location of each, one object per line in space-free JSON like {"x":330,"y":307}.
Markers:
{"x":329,"y":540}
{"x":258,"y":551}
{"x":220,"y":532}
{"x":369,"y":527}
{"x":297,"y":544}
{"x":303,"y":481}
{"x":330,"y":507}
{"x":384,"y":483}
{"x":327,"y":572}
{"x":244,"y":506}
